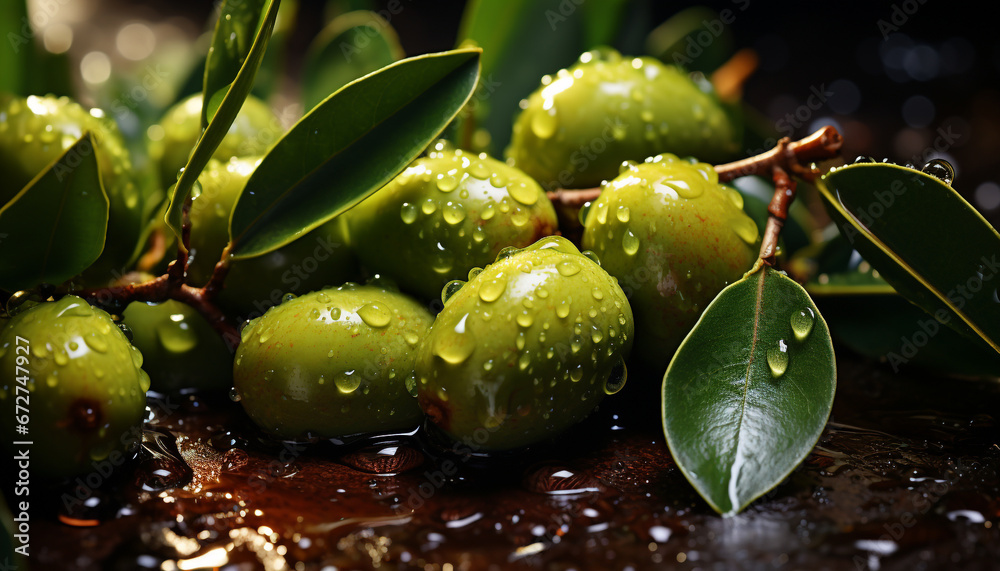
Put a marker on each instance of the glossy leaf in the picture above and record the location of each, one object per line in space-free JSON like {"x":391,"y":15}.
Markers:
{"x":749,"y":391}
{"x":235,"y":32}
{"x":925,"y":240}
{"x":522,"y":40}
{"x":15,"y":55}
{"x":352,"y":45}
{"x":54,"y":228}
{"x":866,"y":314}
{"x":225,"y":111}
{"x":348,"y":147}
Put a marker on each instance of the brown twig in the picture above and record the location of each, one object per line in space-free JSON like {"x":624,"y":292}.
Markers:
{"x":171,"y":286}
{"x":793,"y":157}
{"x":784,"y":194}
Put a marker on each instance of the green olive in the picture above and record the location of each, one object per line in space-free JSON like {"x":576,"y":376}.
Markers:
{"x":332,"y":363}
{"x":252,"y":132}
{"x":525,"y":349}
{"x":180,"y":349}
{"x":580,"y":124}
{"x":319,"y":259}
{"x":80,"y":382}
{"x":35,"y":131}
{"x":444,"y":215}
{"x":674,"y":237}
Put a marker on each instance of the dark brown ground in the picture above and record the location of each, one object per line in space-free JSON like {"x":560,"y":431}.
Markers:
{"x":906,"y":476}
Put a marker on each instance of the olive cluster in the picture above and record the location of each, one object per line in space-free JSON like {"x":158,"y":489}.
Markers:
{"x":447,"y":295}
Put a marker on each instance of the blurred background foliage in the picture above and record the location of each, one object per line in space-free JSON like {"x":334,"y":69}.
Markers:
{"x":907,"y":80}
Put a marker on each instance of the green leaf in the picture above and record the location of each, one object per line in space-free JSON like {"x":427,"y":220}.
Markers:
{"x":601,"y":21}
{"x":925,"y":240}
{"x":231,"y":44}
{"x":696,"y":38}
{"x":866,"y":314}
{"x":351,"y":46}
{"x":54,"y":228}
{"x":348,"y":147}
{"x":738,"y":421}
{"x":225,"y":111}
{"x":15,"y":55}
{"x":522,"y":40}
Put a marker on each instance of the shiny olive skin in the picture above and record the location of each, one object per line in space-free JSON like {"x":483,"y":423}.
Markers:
{"x":674,"y":237}
{"x":320,"y":258}
{"x":35,"y":131}
{"x":254,"y":130}
{"x":87,"y":389}
{"x":332,"y":363}
{"x":527,"y":348}
{"x":444,"y":215}
{"x":580,"y":124}
{"x":180,"y":349}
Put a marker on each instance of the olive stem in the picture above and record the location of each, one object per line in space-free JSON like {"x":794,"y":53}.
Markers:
{"x":784,"y":194}
{"x":219,"y":273}
{"x":171,"y":286}
{"x":795,"y":157}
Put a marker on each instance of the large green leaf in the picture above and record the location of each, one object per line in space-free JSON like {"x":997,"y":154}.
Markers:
{"x":348,"y":147}
{"x":227,"y":105}
{"x":54,"y":227}
{"x":925,"y":240}
{"x":749,"y":391}
{"x":16,"y":33}
{"x":866,"y":314}
{"x":522,"y":40}
{"x":352,"y":45}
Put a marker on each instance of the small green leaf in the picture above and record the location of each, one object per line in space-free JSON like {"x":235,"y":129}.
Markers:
{"x":925,"y":240}
{"x":749,"y":391}
{"x":351,"y":46}
{"x":15,"y":55}
{"x":54,"y":228}
{"x":231,"y":44}
{"x":225,"y":110}
{"x":348,"y":147}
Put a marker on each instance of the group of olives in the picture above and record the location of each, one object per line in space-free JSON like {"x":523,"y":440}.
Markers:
{"x":531,"y":332}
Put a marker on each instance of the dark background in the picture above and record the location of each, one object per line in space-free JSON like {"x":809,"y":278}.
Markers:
{"x":905,"y":80}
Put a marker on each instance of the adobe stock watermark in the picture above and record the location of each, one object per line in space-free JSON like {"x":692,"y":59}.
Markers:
{"x":959,"y":296}
{"x":101,"y":470}
{"x":562,"y":13}
{"x":709,"y":32}
{"x":885,"y":199}
{"x":797,"y":118}
{"x":896,"y":530}
{"x":37,"y":19}
{"x":899,"y":14}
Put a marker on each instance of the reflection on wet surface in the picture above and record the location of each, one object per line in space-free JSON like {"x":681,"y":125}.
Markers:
{"x":906,"y":476}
